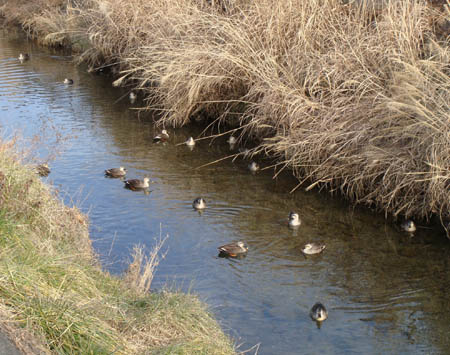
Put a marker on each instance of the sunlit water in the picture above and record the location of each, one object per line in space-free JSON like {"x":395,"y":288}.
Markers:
{"x":386,"y":292}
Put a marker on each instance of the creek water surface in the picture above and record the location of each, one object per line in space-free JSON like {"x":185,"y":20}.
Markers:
{"x":385,"y":291}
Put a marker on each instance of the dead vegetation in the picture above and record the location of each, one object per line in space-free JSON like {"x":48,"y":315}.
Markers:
{"x":353,"y":96}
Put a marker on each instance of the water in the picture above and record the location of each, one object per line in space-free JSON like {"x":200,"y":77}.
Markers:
{"x":385,"y":291}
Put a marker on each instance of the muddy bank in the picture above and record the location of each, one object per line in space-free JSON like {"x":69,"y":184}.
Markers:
{"x":353,"y":99}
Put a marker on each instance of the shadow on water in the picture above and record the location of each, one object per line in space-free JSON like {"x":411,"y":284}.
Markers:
{"x":386,"y":292}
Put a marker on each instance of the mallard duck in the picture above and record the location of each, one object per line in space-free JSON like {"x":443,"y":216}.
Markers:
{"x":253,"y":167}
{"x":133,"y":97}
{"x":233,"y":249}
{"x":318,"y":312}
{"x":313,"y":248}
{"x":24,"y":56}
{"x":68,"y":81}
{"x":136,"y":184}
{"x":232,"y":140}
{"x":408,"y":226}
{"x":294,"y":220}
{"x":116,"y":172}
{"x":43,"y":169}
{"x":162,"y":137}
{"x":199,"y":203}
{"x":190,"y":142}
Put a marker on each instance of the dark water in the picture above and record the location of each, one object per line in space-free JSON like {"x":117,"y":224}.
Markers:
{"x":385,"y":291}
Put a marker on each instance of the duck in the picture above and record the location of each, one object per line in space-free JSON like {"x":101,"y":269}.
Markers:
{"x":199,"y":203}
{"x":253,"y":167}
{"x":294,"y":220}
{"x":43,"y":170}
{"x":233,"y":249}
{"x":137,"y":184}
{"x":190,"y":142}
{"x":133,"y":97}
{"x":162,"y":137}
{"x":318,"y":312}
{"x":408,"y":226}
{"x":116,"y":172}
{"x":231,"y":140}
{"x":313,"y":248}
{"x":68,"y":81}
{"x":24,"y":56}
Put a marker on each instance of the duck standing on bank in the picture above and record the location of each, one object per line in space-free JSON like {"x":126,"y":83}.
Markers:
{"x":43,"y":170}
{"x":116,"y":172}
{"x":233,"y":250}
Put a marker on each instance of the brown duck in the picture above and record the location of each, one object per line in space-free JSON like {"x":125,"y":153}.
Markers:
{"x":233,"y":249}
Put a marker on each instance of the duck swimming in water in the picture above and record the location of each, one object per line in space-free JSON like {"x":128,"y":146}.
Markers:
{"x":253,"y":167}
{"x":133,"y":97}
{"x":24,"y":56}
{"x":233,"y":249}
{"x":408,"y":226}
{"x":162,"y":137}
{"x":313,"y":248}
{"x":190,"y":142}
{"x":199,"y":203}
{"x":136,"y":184}
{"x":318,"y":312}
{"x":294,"y":220}
{"x":232,"y":140}
{"x":116,"y":172}
{"x":68,"y":81}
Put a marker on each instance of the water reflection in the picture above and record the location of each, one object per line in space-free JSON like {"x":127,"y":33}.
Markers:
{"x":385,"y":291}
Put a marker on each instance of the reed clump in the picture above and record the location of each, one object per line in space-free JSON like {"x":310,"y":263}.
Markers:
{"x":54,"y":297}
{"x":353,"y":96}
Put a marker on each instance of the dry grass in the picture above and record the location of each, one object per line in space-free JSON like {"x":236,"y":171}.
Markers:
{"x":352,"y":96}
{"x":53,"y":287}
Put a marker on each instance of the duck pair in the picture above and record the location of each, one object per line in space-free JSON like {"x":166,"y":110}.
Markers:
{"x":310,"y":248}
{"x":132,"y":184}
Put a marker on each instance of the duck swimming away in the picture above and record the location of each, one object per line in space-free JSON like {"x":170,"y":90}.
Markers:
{"x":162,"y":137}
{"x":199,"y":203}
{"x":136,"y":184}
{"x":233,"y":249}
{"x":116,"y":172}
{"x":68,"y":81}
{"x":318,"y":312}
{"x":408,"y":226}
{"x":313,"y":248}
{"x":294,"y":220}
